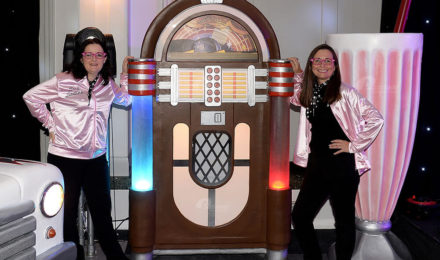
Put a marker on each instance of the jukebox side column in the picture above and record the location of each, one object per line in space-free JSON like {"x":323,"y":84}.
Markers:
{"x":279,"y":194}
{"x":141,"y":84}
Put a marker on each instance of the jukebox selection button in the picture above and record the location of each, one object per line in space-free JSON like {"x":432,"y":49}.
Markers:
{"x":213,"y":77}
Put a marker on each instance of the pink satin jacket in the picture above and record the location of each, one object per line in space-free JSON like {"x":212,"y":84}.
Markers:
{"x":80,"y":128}
{"x":358,"y":118}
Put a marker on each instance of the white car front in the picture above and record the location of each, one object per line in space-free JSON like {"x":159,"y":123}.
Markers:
{"x":22,"y":182}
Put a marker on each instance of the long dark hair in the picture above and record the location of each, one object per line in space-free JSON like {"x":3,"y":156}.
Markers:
{"x":77,"y":68}
{"x":332,"y":93}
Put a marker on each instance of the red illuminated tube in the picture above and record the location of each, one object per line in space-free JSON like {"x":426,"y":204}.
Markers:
{"x":280,"y":89}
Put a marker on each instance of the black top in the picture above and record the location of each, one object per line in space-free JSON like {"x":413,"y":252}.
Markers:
{"x":325,"y":127}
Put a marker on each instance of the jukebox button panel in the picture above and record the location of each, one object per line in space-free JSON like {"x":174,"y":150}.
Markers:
{"x":213,"y":86}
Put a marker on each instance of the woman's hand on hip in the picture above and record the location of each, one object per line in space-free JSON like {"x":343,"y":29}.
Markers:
{"x":125,"y":64}
{"x":51,"y":137}
{"x":340,"y":145}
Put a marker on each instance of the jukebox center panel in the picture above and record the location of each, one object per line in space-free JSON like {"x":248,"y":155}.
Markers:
{"x":229,"y":187}
{"x":184,"y":217}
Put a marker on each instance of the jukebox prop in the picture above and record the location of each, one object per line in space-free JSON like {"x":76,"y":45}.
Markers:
{"x":210,"y":134}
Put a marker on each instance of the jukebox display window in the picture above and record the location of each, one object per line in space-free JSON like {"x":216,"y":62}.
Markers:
{"x":212,"y":37}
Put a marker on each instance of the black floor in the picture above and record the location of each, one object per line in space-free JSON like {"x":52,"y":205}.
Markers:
{"x":229,"y":257}
{"x":421,"y":235}
{"x":326,"y":238}
{"x":213,"y":257}
{"x":419,"y":232}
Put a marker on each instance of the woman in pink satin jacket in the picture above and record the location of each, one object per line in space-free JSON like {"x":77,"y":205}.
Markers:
{"x":80,"y":100}
{"x":337,"y":124}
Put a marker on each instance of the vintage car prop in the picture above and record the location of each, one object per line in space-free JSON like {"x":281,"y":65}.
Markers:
{"x":31,"y":211}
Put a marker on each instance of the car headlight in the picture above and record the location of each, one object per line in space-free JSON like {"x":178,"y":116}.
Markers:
{"x":52,"y":199}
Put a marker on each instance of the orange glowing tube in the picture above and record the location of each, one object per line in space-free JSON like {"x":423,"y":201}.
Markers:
{"x":281,"y":88}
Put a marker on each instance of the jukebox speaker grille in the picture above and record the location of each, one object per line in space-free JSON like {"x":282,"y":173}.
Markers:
{"x":211,"y":158}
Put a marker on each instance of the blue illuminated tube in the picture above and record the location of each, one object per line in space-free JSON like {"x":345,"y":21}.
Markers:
{"x":141,"y":85}
{"x":142,"y":143}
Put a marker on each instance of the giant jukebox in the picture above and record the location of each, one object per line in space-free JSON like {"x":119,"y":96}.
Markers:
{"x":210,"y":134}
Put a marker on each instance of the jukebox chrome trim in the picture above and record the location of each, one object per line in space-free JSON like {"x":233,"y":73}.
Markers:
{"x":251,"y":85}
{"x":211,"y":1}
{"x":174,"y":85}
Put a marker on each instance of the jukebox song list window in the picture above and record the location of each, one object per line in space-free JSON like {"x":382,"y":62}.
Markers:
{"x":212,"y":37}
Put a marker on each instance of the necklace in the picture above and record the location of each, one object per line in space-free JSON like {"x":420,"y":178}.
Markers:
{"x":91,"y":86}
{"x":315,"y":102}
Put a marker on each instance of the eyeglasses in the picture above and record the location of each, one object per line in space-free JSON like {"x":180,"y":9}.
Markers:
{"x":97,"y":55}
{"x":319,"y":61}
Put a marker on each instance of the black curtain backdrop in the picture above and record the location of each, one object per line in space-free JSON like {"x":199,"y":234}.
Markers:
{"x":19,"y":73}
{"x":423,"y":178}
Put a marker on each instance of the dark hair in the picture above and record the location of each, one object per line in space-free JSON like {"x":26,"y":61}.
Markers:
{"x":332,"y":93}
{"x":77,"y":68}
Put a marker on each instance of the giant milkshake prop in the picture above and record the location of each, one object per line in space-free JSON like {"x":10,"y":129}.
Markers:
{"x":385,"y":68}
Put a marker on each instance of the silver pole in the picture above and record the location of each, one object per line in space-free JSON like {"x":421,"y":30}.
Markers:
{"x":146,"y":256}
{"x":91,"y":239}
{"x":81,"y":219}
{"x":277,"y":254}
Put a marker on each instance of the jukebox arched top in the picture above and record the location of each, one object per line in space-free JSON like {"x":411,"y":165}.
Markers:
{"x":232,"y":31}
{"x":212,"y":37}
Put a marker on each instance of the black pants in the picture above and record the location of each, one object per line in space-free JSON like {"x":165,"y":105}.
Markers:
{"x":93,"y":177}
{"x":327,"y":177}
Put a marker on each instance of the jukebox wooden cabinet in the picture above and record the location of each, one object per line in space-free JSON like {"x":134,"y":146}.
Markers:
{"x":219,"y":118}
